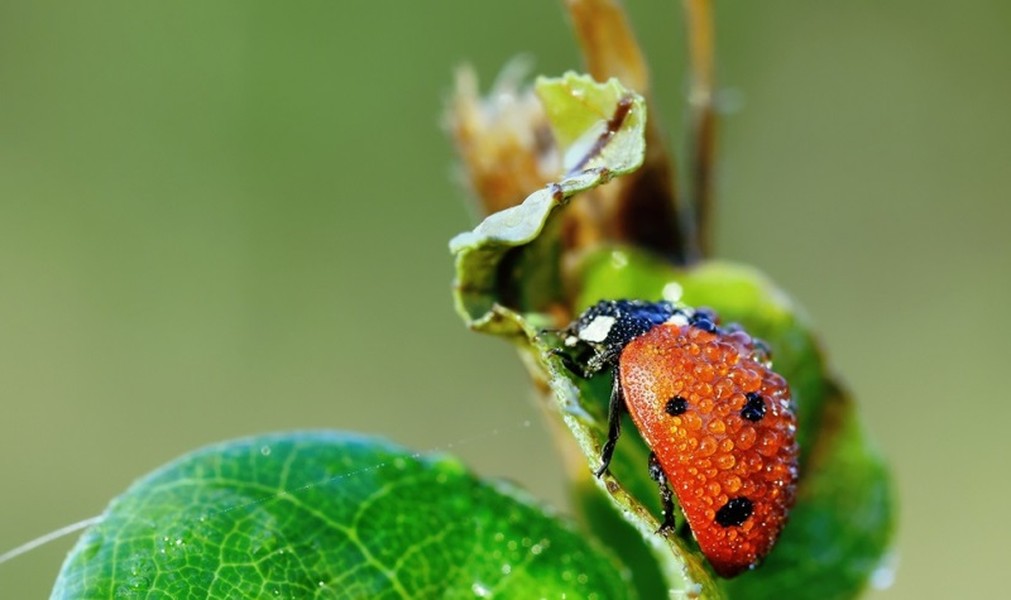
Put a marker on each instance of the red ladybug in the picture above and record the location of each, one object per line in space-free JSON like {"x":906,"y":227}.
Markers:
{"x":719,"y":421}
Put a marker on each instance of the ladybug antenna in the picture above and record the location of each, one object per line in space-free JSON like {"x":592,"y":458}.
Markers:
{"x":562,"y":334}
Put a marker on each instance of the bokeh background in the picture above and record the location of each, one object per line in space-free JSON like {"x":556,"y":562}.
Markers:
{"x":225,"y":218}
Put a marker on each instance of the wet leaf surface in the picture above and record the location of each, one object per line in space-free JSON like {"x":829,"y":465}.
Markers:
{"x":329,"y":515}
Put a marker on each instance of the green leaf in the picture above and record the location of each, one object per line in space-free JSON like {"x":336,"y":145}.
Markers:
{"x":596,"y":126}
{"x":329,"y":515}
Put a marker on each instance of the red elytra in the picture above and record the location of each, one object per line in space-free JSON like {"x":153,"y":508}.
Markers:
{"x":718,"y":419}
{"x":733,"y":444}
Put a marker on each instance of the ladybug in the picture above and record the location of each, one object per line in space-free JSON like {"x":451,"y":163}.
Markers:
{"x":718,"y":420}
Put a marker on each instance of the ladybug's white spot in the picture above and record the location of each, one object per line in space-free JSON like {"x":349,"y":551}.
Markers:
{"x":597,"y":330}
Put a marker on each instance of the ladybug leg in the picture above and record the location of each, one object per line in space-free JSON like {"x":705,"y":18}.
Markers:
{"x":666,"y":496}
{"x":685,"y":532}
{"x":608,"y":357}
{"x":615,"y":410}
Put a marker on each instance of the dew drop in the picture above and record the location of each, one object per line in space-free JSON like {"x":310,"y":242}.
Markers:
{"x":265,"y":450}
{"x":723,"y":388}
{"x":705,"y":373}
{"x":746,"y":437}
{"x":752,"y":380}
{"x":726,"y":461}
{"x":672,"y":291}
{"x":769,"y":444}
{"x":884,"y":575}
{"x":619,"y":260}
{"x":706,"y":406}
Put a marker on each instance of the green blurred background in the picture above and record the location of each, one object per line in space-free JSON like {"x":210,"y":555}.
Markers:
{"x":225,"y":218}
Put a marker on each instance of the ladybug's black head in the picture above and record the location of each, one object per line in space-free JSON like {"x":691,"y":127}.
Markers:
{"x":596,"y":339}
{"x":611,"y":324}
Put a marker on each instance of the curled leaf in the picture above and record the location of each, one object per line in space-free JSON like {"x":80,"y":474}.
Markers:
{"x":600,"y":131}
